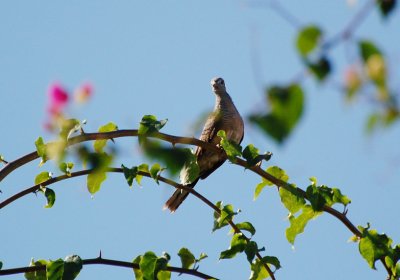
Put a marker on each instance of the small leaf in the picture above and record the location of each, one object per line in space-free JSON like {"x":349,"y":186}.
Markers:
{"x":286,"y":107}
{"x":187,"y":258}
{"x":143,"y":168}
{"x":100,"y":144}
{"x":291,"y":199}
{"x":50,"y":196}
{"x":247,"y":226}
{"x":149,"y":125}
{"x":138,"y":273}
{"x":94,"y":181}
{"x":259,"y":188}
{"x":130,"y":174}
{"x":41,"y":150}
{"x":222,"y":220}
{"x":297,"y":224}
{"x":66,"y":167}
{"x":42,"y":177}
{"x":155,"y":171}
{"x":55,"y":270}
{"x":386,"y":6}
{"x":308,"y":39}
{"x":148,"y":265}
{"x":373,"y":246}
{"x":231,"y":148}
{"x":72,"y":266}
{"x":320,"y":68}
{"x":238,"y":245}
{"x":202,"y":256}
{"x":258,"y":271}
{"x":1,"y":265}
{"x":68,"y":126}
{"x":36,"y":275}
{"x":251,"y":251}
{"x":190,"y":171}
{"x":368,"y":49}
{"x":278,"y":173}
{"x":252,"y":155}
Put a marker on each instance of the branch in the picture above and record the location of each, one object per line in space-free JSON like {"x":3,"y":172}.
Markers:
{"x":167,"y":181}
{"x":100,"y":260}
{"x":11,"y":166}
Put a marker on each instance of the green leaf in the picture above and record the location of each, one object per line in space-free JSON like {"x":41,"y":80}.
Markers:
{"x":323,"y":195}
{"x":308,"y":39}
{"x":251,"y":251}
{"x":297,"y":224}
{"x":202,"y":256}
{"x":143,"y":168}
{"x":50,"y":196}
{"x":373,"y":246}
{"x":191,"y":169}
{"x":259,"y":188}
{"x":272,"y":260}
{"x":42,"y":177}
{"x":100,"y":144}
{"x":164,"y":275}
{"x":41,"y":150}
{"x":94,"y":181}
{"x":1,"y":265}
{"x":258,"y":271}
{"x":320,"y":68}
{"x":275,"y":171}
{"x":222,"y":220}
{"x":286,"y":107}
{"x":148,"y":126}
{"x":68,"y":126}
{"x":252,"y":155}
{"x":292,"y":198}
{"x":151,"y":265}
{"x":130,"y":174}
{"x":173,"y":157}
{"x":72,"y":266}
{"x":367,"y":49}
{"x":148,"y":265}
{"x":231,"y":148}
{"x":138,"y":273}
{"x":155,"y":171}
{"x":66,"y":167}
{"x":36,"y":275}
{"x":386,"y":6}
{"x":55,"y":270}
{"x":187,"y":258}
{"x":247,"y":226}
{"x":238,"y":245}
{"x":278,"y":173}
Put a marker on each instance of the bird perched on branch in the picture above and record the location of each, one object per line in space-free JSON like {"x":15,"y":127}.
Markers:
{"x":224,"y":117}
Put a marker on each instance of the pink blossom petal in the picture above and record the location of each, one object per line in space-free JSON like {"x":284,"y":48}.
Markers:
{"x":83,"y":93}
{"x":58,"y":96}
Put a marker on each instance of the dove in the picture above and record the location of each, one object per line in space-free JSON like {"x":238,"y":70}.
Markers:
{"x":225,"y":117}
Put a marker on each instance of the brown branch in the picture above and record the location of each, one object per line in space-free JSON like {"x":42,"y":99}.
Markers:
{"x":11,"y":166}
{"x":167,"y":181}
{"x":100,"y":260}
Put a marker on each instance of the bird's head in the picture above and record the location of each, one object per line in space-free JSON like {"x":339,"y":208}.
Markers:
{"x":218,"y":85}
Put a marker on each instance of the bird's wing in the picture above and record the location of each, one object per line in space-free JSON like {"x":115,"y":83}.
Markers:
{"x":209,"y":161}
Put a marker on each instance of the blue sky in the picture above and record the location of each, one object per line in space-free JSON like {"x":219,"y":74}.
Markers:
{"x":146,"y":57}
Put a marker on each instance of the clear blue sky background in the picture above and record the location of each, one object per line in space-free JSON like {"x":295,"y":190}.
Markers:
{"x":147,"y":57}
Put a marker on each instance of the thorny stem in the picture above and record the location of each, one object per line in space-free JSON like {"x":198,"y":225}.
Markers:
{"x":100,"y":260}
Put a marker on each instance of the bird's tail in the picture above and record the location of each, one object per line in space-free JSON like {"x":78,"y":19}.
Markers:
{"x":177,"y":198}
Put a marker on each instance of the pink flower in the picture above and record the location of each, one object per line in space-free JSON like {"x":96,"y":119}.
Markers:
{"x":58,"y":98}
{"x":83,"y":93}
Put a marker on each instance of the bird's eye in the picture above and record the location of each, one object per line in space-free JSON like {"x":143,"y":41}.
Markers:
{"x":220,"y":81}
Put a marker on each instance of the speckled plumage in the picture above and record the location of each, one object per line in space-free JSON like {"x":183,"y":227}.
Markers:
{"x":224,"y":117}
